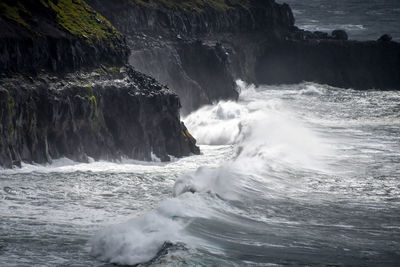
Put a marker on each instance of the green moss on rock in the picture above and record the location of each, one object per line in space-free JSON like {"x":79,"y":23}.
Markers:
{"x":79,"y":19}
{"x":73,"y":16}
{"x":14,"y":11}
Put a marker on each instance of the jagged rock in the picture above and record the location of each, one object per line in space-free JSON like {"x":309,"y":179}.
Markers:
{"x":385,"y":38}
{"x":209,"y":66}
{"x":321,"y":35}
{"x":103,"y":115}
{"x":164,"y":63}
{"x":340,"y":35}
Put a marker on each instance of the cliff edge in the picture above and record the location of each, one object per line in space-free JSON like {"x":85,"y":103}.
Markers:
{"x":66,"y":91}
{"x":253,"y":40}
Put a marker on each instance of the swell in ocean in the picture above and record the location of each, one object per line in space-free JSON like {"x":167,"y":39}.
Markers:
{"x":309,"y":176}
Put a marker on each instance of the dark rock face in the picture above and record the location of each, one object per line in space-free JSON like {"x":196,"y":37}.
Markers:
{"x":209,"y":67}
{"x":340,"y":35}
{"x":263,"y":46}
{"x":164,"y":63}
{"x":359,"y":65}
{"x":199,"y":73}
{"x":56,"y":54}
{"x":385,"y":38}
{"x":103,"y":115}
{"x":131,"y":17}
{"x":163,"y":43}
{"x":33,"y":38}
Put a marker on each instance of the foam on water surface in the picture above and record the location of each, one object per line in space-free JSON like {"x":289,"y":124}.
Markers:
{"x":282,"y":172}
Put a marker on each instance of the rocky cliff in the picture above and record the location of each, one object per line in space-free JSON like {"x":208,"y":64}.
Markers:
{"x":258,"y":41}
{"x":164,"y":40}
{"x":62,"y":35}
{"x":197,"y":48}
{"x":103,"y":114}
{"x":346,"y":64}
{"x":65,"y":90}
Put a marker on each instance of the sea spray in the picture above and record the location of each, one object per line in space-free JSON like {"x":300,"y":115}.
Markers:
{"x":266,"y":137}
{"x":310,"y":173}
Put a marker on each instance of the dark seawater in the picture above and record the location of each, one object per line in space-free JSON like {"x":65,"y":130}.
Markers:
{"x":302,"y":175}
{"x":362,"y":19}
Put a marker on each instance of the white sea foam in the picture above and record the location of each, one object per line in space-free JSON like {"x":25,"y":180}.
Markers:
{"x":312,"y":89}
{"x":216,"y":125}
{"x":140,"y":239}
{"x":137,"y":240}
{"x":316,"y":26}
{"x":266,"y":134}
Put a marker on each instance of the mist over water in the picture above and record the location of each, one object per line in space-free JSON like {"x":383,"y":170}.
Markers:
{"x":290,"y":174}
{"x":363,"y":20}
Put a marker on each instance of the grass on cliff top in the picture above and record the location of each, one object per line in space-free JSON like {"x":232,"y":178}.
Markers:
{"x":196,"y":5}
{"x":14,"y":11}
{"x":74,"y":16}
{"x":80,"y":19}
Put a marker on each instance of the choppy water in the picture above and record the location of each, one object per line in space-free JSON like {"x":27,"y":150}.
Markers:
{"x":300,"y":174}
{"x":363,"y":20}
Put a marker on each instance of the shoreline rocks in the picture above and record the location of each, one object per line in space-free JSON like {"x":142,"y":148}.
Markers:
{"x":105,"y":114}
{"x":63,"y":92}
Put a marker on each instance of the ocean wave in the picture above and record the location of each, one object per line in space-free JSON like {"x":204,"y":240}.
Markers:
{"x":261,"y":130}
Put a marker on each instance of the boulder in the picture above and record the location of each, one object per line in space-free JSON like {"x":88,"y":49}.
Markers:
{"x":385,"y":38}
{"x":340,"y":35}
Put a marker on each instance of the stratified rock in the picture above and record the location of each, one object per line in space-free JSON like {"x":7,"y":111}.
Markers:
{"x":105,"y":114}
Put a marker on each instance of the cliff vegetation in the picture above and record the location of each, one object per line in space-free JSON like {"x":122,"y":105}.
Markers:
{"x":56,"y":35}
{"x":74,"y":16}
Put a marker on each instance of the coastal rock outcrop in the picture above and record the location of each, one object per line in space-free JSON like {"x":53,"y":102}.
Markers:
{"x":263,"y":45}
{"x":63,"y":92}
{"x":53,"y":106}
{"x":57,"y":36}
{"x":346,"y":64}
{"x":164,"y":40}
{"x":198,"y":72}
{"x":104,"y":114}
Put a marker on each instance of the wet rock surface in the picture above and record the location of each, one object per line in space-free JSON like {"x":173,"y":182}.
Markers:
{"x":104,"y":114}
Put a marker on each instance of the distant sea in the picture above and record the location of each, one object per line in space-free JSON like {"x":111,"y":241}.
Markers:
{"x":363,"y":20}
